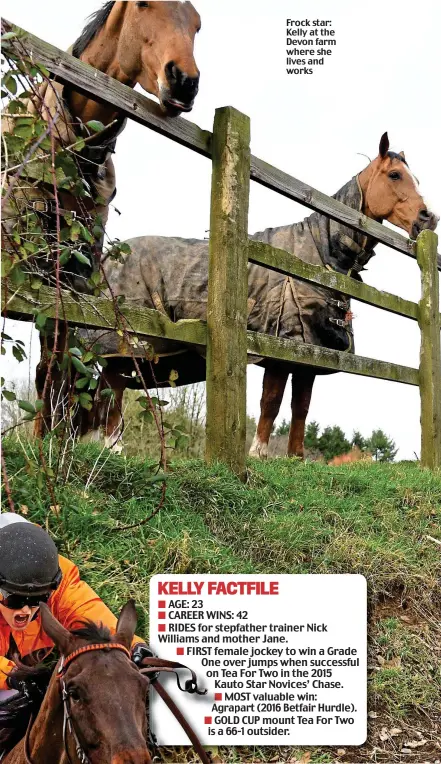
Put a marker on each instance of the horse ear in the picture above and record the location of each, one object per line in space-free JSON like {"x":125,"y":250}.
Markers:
{"x":401,"y":154}
{"x":125,"y":629}
{"x":384,"y":145}
{"x":53,"y":628}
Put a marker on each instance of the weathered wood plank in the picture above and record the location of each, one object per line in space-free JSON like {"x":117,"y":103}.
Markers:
{"x":284,"y":262}
{"x":145,"y":111}
{"x":98,"y":312}
{"x":312,"y":355}
{"x":228,"y":291}
{"x":430,"y":354}
{"x":84,"y":310}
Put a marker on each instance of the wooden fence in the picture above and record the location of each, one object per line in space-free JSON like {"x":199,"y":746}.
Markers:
{"x":225,"y":332}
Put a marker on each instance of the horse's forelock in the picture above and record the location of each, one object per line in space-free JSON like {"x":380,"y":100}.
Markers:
{"x":394,"y":155}
{"x":95,"y":22}
{"x":93,"y":633}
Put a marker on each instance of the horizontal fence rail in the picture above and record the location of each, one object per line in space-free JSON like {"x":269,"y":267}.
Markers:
{"x":98,"y":312}
{"x":143,"y":110}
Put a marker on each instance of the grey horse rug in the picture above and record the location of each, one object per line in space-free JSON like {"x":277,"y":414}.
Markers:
{"x":171,"y":276}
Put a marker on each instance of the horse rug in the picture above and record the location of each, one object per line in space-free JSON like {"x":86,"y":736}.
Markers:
{"x":171,"y":276}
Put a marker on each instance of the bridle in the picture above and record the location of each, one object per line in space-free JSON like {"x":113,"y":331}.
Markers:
{"x":155,"y":666}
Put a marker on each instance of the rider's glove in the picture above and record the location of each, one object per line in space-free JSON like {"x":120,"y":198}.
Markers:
{"x":141,"y":651}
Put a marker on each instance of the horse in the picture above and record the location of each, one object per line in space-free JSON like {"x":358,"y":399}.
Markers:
{"x":95,"y":701}
{"x":150,"y":43}
{"x":171,"y":275}
{"x":94,"y":709}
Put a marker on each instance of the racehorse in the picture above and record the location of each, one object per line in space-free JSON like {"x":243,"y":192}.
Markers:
{"x":94,"y":708}
{"x":150,"y":43}
{"x":171,"y":276}
{"x":95,"y":703}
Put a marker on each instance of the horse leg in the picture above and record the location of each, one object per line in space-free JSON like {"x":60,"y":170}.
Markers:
{"x":274,"y":382}
{"x":51,"y":392}
{"x":113,"y":420}
{"x":43,"y":420}
{"x":302,"y":383}
{"x":105,"y":416}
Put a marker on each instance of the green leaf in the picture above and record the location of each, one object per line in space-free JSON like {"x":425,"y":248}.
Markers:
{"x":79,"y":145}
{"x":94,"y":125}
{"x":93,"y":384}
{"x":87,"y":357}
{"x":146,"y":415}
{"x":36,"y":283}
{"x":82,"y":382}
{"x":29,"y":417}
{"x":81,"y":258}
{"x":18,"y":353}
{"x":26,"y":406}
{"x":65,"y":256}
{"x":76,"y":351}
{"x":17,"y":276}
{"x":182,"y":441}
{"x":9,"y":82}
{"x":80,"y":366}
{"x":40,"y":321}
{"x":39,"y":405}
{"x":9,"y":395}
{"x":107,"y":392}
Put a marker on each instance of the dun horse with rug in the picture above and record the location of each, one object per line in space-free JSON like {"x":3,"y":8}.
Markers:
{"x":171,"y":275}
{"x":133,"y":42}
{"x":94,"y":709}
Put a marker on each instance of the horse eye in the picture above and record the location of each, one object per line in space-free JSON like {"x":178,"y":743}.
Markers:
{"x":73,"y":694}
{"x":395,"y":176}
{"x":143,"y":5}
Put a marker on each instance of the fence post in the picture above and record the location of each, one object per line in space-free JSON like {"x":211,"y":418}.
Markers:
{"x":228,"y":291}
{"x":430,"y":357}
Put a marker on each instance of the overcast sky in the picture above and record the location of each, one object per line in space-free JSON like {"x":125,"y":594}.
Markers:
{"x":383,"y":74}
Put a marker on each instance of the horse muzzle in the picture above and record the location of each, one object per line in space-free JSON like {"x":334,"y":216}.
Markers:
{"x":426,"y":220}
{"x":180,"y":90}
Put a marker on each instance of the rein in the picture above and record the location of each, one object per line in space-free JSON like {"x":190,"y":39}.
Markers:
{"x":155,"y":666}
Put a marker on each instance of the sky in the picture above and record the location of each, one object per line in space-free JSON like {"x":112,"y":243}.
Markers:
{"x":383,"y":75}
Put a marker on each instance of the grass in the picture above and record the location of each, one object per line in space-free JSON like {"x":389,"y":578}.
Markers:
{"x":291,"y":517}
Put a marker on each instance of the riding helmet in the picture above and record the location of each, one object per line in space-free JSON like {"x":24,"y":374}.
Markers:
{"x":28,"y":560}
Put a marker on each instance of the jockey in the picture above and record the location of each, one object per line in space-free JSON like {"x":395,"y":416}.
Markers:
{"x":31,"y":571}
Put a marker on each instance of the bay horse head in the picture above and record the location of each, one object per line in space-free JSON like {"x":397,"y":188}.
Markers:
{"x":150,"y":44}
{"x":391,"y":192}
{"x":99,"y":690}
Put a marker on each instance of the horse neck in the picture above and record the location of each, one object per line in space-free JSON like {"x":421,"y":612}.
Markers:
{"x":47,"y":730}
{"x":100,"y":53}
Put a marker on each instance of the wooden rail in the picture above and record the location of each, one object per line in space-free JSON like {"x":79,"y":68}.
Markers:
{"x":98,"y":312}
{"x":225,"y":335}
{"x":146,"y":112}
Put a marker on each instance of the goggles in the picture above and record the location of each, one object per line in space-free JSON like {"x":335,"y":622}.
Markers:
{"x":18,"y":601}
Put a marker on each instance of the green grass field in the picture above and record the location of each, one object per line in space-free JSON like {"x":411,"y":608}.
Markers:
{"x":378,"y":520}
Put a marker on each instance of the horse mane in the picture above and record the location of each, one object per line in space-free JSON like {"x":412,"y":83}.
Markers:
{"x":394,"y":155}
{"x":93,"y":633}
{"x":95,"y":22}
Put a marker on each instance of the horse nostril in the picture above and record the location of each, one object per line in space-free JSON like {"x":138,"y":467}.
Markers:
{"x":424,"y":215}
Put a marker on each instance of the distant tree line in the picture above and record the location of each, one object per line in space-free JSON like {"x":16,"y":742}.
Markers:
{"x":333,"y":442}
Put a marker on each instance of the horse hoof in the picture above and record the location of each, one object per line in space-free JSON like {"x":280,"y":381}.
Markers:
{"x":115,"y":447}
{"x":258,"y":450}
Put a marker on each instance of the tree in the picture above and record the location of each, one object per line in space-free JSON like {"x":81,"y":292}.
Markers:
{"x":333,"y":442}
{"x":312,"y":436}
{"x":383,"y":448}
{"x":283,"y":428}
{"x":358,"y":441}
